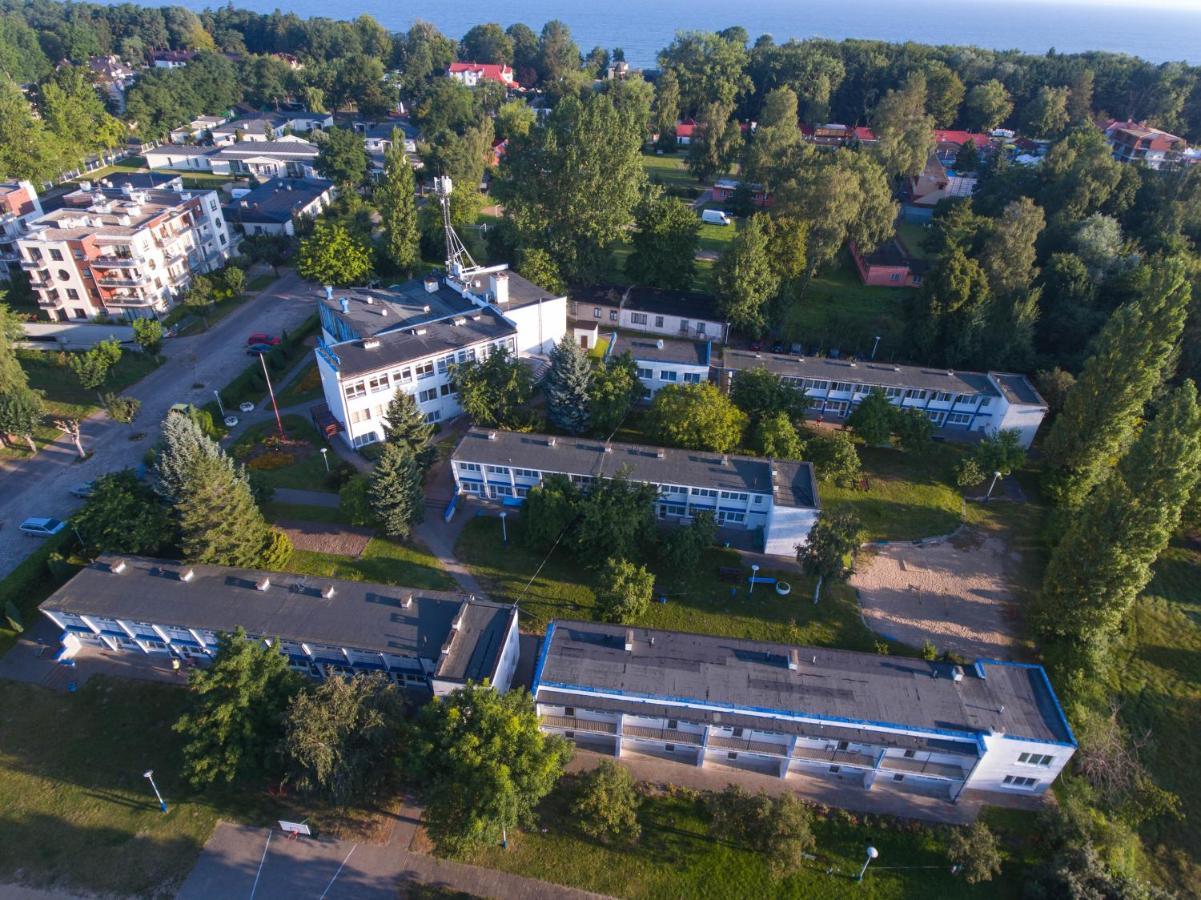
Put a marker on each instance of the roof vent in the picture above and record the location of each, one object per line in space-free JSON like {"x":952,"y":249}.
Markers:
{"x":431,"y":285}
{"x":369,"y":300}
{"x":794,"y":659}
{"x":659,"y":343}
{"x":187,"y":575}
{"x":491,"y":435}
{"x":629,"y":640}
{"x":419,"y":331}
{"x":327,"y":592}
{"x":262,"y":584}
{"x":425,"y":308}
{"x":370,"y":343}
{"x":659,"y":454}
{"x":458,"y":320}
{"x":117,"y":566}
{"x":345,"y":304}
{"x":408,"y":601}
{"x":383,"y":310}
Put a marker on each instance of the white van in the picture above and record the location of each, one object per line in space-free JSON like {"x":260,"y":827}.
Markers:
{"x":715,"y":217}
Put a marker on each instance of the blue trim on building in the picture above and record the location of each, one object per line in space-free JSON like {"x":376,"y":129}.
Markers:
{"x":968,"y":736}
{"x":1071,"y":742}
{"x":550,"y":633}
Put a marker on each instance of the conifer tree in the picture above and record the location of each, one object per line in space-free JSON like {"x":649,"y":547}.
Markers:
{"x":406,"y":427}
{"x":396,"y":198}
{"x":183,"y":444}
{"x":1134,"y":353}
{"x":395,"y":491}
{"x":567,"y":387}
{"x":219,"y":522}
{"x":1105,"y":559}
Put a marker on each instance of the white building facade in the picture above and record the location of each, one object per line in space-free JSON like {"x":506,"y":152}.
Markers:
{"x":857,"y":719}
{"x":662,"y":362}
{"x":19,"y":208}
{"x":985,"y":402}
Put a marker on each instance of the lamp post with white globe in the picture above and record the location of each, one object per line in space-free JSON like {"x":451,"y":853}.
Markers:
{"x":149,"y":776}
{"x":872,"y":853}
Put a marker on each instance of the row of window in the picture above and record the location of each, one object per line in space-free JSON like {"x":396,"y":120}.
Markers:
{"x":367,"y":413}
{"x":382,"y":381}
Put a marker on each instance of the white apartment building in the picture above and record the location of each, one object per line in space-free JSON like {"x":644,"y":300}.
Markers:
{"x":858,"y":719}
{"x":19,"y":208}
{"x":777,"y":497}
{"x":686,"y":315}
{"x":284,"y":157}
{"x":985,"y":402}
{"x":425,"y":640}
{"x":409,"y":337}
{"x":122,"y":252}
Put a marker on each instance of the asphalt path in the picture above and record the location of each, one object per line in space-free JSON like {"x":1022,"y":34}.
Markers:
{"x":194,"y":368}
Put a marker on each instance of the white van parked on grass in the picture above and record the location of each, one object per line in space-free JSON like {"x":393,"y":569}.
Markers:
{"x":715,"y":217}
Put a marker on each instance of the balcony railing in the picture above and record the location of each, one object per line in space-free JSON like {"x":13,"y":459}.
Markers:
{"x":120,"y":261}
{"x":121,"y":280}
{"x":834,"y":757}
{"x":571,"y":723}
{"x":750,"y":746}
{"x":31,"y":264}
{"x":918,"y":767}
{"x":670,"y":735}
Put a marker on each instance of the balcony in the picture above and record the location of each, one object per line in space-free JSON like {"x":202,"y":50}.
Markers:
{"x":834,"y":757}
{"x":106,"y":280}
{"x":571,"y":723}
{"x":918,"y":767}
{"x":670,"y":735}
{"x":115,"y":261}
{"x":30,"y":264}
{"x":745,"y":744}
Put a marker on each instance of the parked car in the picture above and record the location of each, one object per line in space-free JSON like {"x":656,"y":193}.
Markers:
{"x":231,"y":421}
{"x":246,"y":406}
{"x":714,"y":217}
{"x":258,"y":349}
{"x":84,"y":489}
{"x":261,"y":337}
{"x":778,"y":347}
{"x":40,"y":527}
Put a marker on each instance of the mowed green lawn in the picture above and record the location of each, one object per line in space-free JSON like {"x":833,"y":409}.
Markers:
{"x":384,"y":561}
{"x":677,"y":856}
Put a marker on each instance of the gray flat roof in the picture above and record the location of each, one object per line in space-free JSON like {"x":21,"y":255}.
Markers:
{"x":360,"y":615}
{"x":397,"y":347}
{"x":856,"y":689}
{"x":371,"y":311}
{"x":269,"y":148}
{"x":277,"y":200}
{"x":873,"y":373}
{"x":588,"y":456}
{"x":692,"y":353}
{"x":1019,"y":389}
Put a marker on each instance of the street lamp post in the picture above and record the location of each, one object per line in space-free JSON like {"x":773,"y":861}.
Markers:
{"x":220,"y":405}
{"x":754,"y":575}
{"x":995,"y":477}
{"x":504,"y":530}
{"x":149,"y":776}
{"x":872,"y":853}
{"x":875,"y":345}
{"x":325,"y":457}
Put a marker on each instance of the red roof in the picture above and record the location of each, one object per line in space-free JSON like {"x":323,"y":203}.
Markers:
{"x":959,"y":138}
{"x":493,"y":72}
{"x":864,"y":135}
{"x":686,"y":128}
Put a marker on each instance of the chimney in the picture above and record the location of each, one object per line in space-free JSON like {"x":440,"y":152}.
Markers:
{"x":345,"y":304}
{"x":370,"y":343}
{"x":370,"y":300}
{"x":408,"y":601}
{"x":499,"y":285}
{"x":117,"y":566}
{"x":327,"y":592}
{"x":186,"y":575}
{"x":491,"y":435}
{"x":659,"y":454}
{"x":794,"y":659}
{"x":262,"y":584}
{"x":431,"y":284}
{"x":629,"y":640}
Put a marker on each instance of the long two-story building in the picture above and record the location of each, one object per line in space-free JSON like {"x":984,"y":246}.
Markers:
{"x":778,"y":497}
{"x":858,"y":718}
{"x":985,"y":402}
{"x":412,"y":335}
{"x":325,"y":626}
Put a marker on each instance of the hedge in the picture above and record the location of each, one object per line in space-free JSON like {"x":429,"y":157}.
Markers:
{"x":32,"y":581}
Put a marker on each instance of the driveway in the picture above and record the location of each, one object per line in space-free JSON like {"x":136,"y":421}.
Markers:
{"x":195,"y":367}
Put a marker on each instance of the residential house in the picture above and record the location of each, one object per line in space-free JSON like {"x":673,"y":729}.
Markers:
{"x":777,"y":498}
{"x":275,"y":206}
{"x":113,"y":77}
{"x":269,"y":127}
{"x":889,"y":265}
{"x":199,"y":129}
{"x":923,"y":192}
{"x":724,"y":189}
{"x":472,"y":73}
{"x":680,"y":314}
{"x":172,"y":59}
{"x":286,"y":157}
{"x":410,"y":336}
{"x":1139,"y":142}
{"x":956,"y":402}
{"x":852,"y":719}
{"x":948,"y":142}
{"x":429,"y":641}
{"x":618,"y":70}
{"x":125,"y":252}
{"x":19,"y":208}
{"x":663,"y":361}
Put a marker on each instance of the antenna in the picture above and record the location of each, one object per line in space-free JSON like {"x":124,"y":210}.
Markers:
{"x":458,"y":260}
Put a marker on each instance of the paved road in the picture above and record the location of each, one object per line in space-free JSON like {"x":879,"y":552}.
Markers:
{"x":195,"y":366}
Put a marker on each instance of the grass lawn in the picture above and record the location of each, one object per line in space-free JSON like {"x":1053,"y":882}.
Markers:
{"x":385,"y":561}
{"x":293,"y":463}
{"x":909,"y":495}
{"x":669,"y":170}
{"x":912,"y":234}
{"x":304,"y":388}
{"x":677,"y":856}
{"x":696,"y":601}
{"x":303,"y":512}
{"x":838,"y":311}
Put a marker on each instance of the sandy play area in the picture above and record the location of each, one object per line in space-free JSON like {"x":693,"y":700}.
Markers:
{"x":953,"y":592}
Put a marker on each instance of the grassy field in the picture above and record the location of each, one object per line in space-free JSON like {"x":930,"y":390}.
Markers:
{"x":696,"y":601}
{"x":677,"y":856}
{"x":838,"y":311}
{"x":912,"y":235}
{"x":303,"y":512}
{"x":304,"y":388}
{"x":304,"y":468}
{"x":384,"y":561}
{"x":669,"y":170}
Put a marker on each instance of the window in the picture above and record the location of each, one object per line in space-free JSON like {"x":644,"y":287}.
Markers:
{"x":403,"y":375}
{"x":692,"y":377}
{"x":1020,"y":781}
{"x":892,"y":392}
{"x":841,"y":386}
{"x":912,"y":394}
{"x":668,"y":375}
{"x":359,"y":415}
{"x":670,"y":509}
{"x":56,"y":255}
{"x":425,"y":370}
{"x":910,"y":754}
{"x":369,"y":438}
{"x":63,"y":274}
{"x":673,"y":724}
{"x":427,"y":395}
{"x":446,"y":390}
{"x":898,"y":777}
{"x":941,"y":396}
{"x":377,"y":383}
{"x":72,"y":294}
{"x":569,"y":710}
{"x":612,"y":315}
{"x":683,"y":325}
{"x":502,"y":490}
{"x":647,"y":374}
{"x":596,"y":312}
{"x":433,"y":416}
{"x":469,"y":467}
{"x":498,"y":470}
{"x":703,"y":492}
{"x":737,"y":732}
{"x":1035,"y":759}
{"x":356,"y":389}
{"x":737,"y":517}
{"x":987,"y":401}
{"x":526,"y":473}
{"x":894,"y":277}
{"x":733,"y":495}
{"x":731,"y":755}
{"x":758,"y":499}
{"x":700,"y":328}
{"x":658,"y":321}
{"x":638,"y":318}
{"x":959,"y":418}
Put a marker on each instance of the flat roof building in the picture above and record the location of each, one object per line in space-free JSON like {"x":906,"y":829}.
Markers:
{"x":778,"y":497}
{"x":679,"y":314}
{"x":663,"y":361}
{"x":325,"y":626}
{"x":275,"y":206}
{"x":858,"y":717}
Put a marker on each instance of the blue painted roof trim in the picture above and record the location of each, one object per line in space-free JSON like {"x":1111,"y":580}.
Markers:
{"x":969,"y":736}
{"x":550,"y":634}
{"x":1063,"y":719}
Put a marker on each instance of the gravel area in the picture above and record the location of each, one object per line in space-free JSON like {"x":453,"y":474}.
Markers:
{"x":342,"y":540}
{"x":955,"y":592}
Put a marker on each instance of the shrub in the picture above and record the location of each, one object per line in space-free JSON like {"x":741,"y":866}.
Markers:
{"x":968,"y":472}
{"x":271,"y":460}
{"x":976,"y":851}
{"x":624,"y":592}
{"x":607,"y":804}
{"x":929,"y":651}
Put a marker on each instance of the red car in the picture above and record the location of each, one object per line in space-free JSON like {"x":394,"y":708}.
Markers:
{"x":260,"y":337}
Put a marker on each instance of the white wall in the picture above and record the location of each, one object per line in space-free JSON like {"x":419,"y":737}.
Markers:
{"x":539,"y":325}
{"x":1001,"y":759}
{"x":506,"y":665}
{"x":787,"y":526}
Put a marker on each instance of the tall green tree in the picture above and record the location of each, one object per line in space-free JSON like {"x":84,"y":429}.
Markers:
{"x":746,"y":277}
{"x":28,"y":149}
{"x":333,"y":255}
{"x":487,"y":43}
{"x":904,"y":129}
{"x":493,"y":392}
{"x":667,"y":109}
{"x":395,"y":494}
{"x":614,"y":389}
{"x":219,"y":522}
{"x":710,"y":68}
{"x":1106,"y":556}
{"x":149,"y":335}
{"x":664,"y":244}
{"x":606,"y":804}
{"x":396,"y":197}
{"x":183,"y":442}
{"x":235,"y":714}
{"x":21,"y":412}
{"x":776,"y":437}
{"x":873,"y":418}
{"x":342,"y":158}
{"x":1134,"y":354}
{"x":716,"y":142}
{"x":777,"y":134}
{"x":616,"y":520}
{"x":92,"y":367}
{"x":988,"y":105}
{"x":831,"y":544}
{"x":1008,"y":259}
{"x":405,"y":426}
{"x":698,"y":417}
{"x":1046,"y":116}
{"x":551,"y":509}
{"x":482,"y":763}
{"x":953,"y":309}
{"x":567,"y":386}
{"x":761,"y":394}
{"x":624,"y":591}
{"x":124,"y":515}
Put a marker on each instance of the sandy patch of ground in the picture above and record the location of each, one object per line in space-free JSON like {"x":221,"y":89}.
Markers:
{"x":956,"y":593}
{"x":342,"y":540}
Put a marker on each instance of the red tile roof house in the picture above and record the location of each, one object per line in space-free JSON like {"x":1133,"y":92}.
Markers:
{"x":948,"y":143}
{"x":686,"y":129}
{"x":890,"y":265}
{"x":1137,"y":142}
{"x":471,"y":74}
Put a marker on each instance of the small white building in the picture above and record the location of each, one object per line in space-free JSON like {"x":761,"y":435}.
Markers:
{"x":19,"y":209}
{"x":424,"y":640}
{"x":677,"y":314}
{"x":663,"y":361}
{"x":267,"y":127}
{"x":854,"y":719}
{"x":955,"y":401}
{"x":198,"y":129}
{"x":286,"y":157}
{"x":778,"y":497}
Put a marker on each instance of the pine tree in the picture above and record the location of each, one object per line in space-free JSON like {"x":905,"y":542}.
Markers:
{"x":1106,"y":556}
{"x":219,"y":522}
{"x":567,"y":385}
{"x":406,"y":427}
{"x":183,"y":444}
{"x":395,"y":197}
{"x":395,"y":491}
{"x":1134,"y":353}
